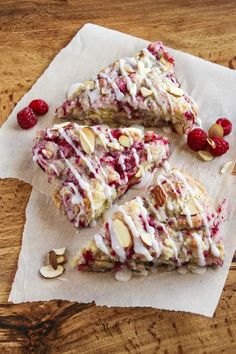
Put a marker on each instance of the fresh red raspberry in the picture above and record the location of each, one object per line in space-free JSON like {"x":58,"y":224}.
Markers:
{"x":221,"y":146}
{"x":26,"y":118}
{"x":226,"y":125}
{"x":197,"y":139}
{"x":40,"y":107}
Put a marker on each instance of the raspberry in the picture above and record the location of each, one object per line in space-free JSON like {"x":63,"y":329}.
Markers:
{"x":26,"y":118}
{"x":40,"y":107}
{"x":221,"y":147}
{"x":197,"y":139}
{"x":226,"y":125}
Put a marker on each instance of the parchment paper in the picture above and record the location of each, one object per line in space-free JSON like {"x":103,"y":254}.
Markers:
{"x":214,"y":89}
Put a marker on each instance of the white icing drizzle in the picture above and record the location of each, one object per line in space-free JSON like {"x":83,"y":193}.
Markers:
{"x":119,"y":95}
{"x":119,"y":250}
{"x":166,"y":166}
{"x":106,"y":187}
{"x":138,"y":245}
{"x":161,"y":179}
{"x":149,"y":155}
{"x":84,"y":185}
{"x":121,"y":162}
{"x":130,"y":85}
{"x":100,"y":244}
{"x":150,"y":229}
{"x":201,"y":258}
{"x":136,"y":156}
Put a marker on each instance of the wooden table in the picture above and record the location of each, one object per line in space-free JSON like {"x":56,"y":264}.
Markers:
{"x":31,"y":33}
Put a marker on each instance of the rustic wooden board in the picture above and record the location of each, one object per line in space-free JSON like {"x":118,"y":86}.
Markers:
{"x":31,"y":33}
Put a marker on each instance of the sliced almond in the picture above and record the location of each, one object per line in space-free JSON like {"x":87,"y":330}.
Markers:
{"x":61,"y":125}
{"x":145,"y":92}
{"x":138,"y":173}
{"x":89,"y":84}
{"x":122,"y":233}
{"x":175,"y":91}
{"x":87,"y":139}
{"x":179,"y":128}
{"x":124,"y":140}
{"x":159,"y":196}
{"x":211,"y":143}
{"x":47,"y":153}
{"x":129,"y":69}
{"x":216,"y":130}
{"x":146,"y":238}
{"x":60,"y":251}
{"x":205,"y":155}
{"x":226,"y":166}
{"x":189,"y":208}
{"x":61,"y":259}
{"x":52,"y":257}
{"x":142,"y":68}
{"x":49,"y":272}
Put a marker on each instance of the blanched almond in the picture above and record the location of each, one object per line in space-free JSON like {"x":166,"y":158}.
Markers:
{"x":145,"y":92}
{"x":61,"y":125}
{"x":211,"y":143}
{"x":205,"y":155}
{"x":124,"y":140}
{"x":147,"y":238}
{"x":89,"y":84}
{"x":122,"y":233}
{"x":60,"y":251}
{"x":175,"y":91}
{"x":216,"y":130}
{"x":138,"y":173}
{"x":189,"y":208}
{"x":61,"y":259}
{"x":87,"y":139}
{"x":49,"y":272}
{"x":226,"y":166}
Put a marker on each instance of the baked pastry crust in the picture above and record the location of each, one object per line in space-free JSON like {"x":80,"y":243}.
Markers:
{"x":173,"y":225}
{"x":93,"y":166}
{"x":135,"y":90}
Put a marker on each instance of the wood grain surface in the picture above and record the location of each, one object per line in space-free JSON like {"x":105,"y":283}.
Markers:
{"x":31,"y":33}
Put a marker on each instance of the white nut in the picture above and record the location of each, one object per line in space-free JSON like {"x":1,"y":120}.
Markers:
{"x":89,"y":84}
{"x":145,"y":92}
{"x":61,"y":259}
{"x":124,"y":140}
{"x":205,"y":155}
{"x":60,"y":251}
{"x":226,"y":166}
{"x":122,"y":233}
{"x":87,"y":139}
{"x":147,"y":238}
{"x":61,"y":125}
{"x":175,"y":91}
{"x":49,"y":272}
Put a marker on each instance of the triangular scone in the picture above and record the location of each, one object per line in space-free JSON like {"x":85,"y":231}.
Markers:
{"x":173,"y":225}
{"x":93,"y":166}
{"x":142,"y":89}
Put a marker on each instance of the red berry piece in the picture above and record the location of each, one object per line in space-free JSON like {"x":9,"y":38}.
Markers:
{"x":226,"y":125}
{"x":218,"y":146}
{"x":40,"y":107}
{"x":26,"y":118}
{"x":197,"y":139}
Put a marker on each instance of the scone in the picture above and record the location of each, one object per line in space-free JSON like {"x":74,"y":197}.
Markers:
{"x":142,"y":89}
{"x":93,"y":166}
{"x":173,"y":225}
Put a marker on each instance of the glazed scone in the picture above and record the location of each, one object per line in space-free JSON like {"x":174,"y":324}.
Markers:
{"x":93,"y":166}
{"x":142,"y":89}
{"x":174,"y":225}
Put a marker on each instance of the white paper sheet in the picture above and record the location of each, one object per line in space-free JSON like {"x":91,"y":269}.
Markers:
{"x":214,"y":89}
